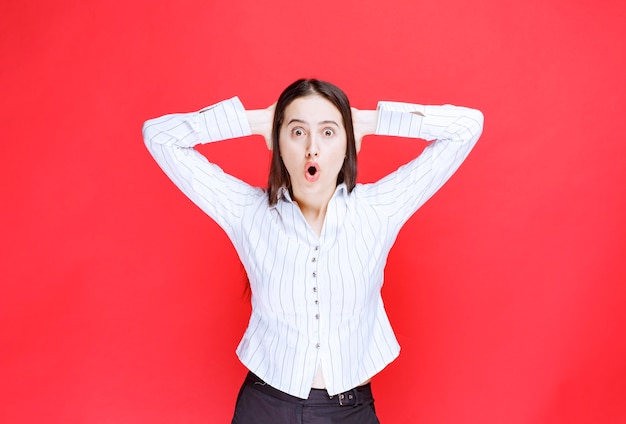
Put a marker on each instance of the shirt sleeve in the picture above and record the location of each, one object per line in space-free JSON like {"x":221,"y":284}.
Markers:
{"x":171,"y":140}
{"x":453,"y":132}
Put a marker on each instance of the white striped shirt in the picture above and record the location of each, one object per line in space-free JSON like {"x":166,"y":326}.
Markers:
{"x":316,"y":301}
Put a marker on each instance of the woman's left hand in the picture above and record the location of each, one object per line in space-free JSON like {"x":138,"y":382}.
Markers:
{"x":364,"y":123}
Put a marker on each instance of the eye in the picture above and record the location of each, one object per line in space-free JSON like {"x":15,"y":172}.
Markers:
{"x":298,"y":132}
{"x":329,"y":132}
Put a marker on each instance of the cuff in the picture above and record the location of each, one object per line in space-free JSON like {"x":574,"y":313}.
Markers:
{"x":224,"y":120}
{"x":400,"y":119}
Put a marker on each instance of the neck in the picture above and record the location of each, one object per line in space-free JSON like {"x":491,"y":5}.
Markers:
{"x":313,"y":208}
{"x":313,"y":203}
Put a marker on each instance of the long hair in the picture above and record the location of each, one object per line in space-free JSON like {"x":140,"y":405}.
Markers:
{"x":278,"y":176}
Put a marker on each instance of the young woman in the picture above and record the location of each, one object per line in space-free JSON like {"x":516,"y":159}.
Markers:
{"x":314,"y":243}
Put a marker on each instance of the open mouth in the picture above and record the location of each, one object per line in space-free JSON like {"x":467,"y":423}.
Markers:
{"x":312,"y":171}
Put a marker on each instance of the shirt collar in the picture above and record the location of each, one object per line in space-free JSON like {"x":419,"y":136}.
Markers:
{"x":283,"y":192}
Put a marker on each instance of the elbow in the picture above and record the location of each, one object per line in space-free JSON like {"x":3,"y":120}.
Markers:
{"x":147,"y":132}
{"x":478,"y":116}
{"x":477,"y":122}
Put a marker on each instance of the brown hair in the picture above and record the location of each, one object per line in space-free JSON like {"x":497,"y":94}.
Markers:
{"x":279,"y":177}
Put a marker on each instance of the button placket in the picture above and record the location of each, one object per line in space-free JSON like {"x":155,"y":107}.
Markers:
{"x":313,"y":276}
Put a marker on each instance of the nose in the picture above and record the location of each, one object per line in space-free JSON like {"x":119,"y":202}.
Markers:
{"x":312,"y":148}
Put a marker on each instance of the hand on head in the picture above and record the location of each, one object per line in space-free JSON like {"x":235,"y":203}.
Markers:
{"x":364,"y":123}
{"x":261,"y":121}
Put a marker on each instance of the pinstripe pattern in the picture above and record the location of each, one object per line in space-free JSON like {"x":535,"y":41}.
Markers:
{"x":315,"y":301}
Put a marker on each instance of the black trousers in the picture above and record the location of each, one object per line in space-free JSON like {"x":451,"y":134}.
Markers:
{"x":260,"y":403}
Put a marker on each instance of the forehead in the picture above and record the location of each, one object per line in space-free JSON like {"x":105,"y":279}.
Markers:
{"x":312,"y":109}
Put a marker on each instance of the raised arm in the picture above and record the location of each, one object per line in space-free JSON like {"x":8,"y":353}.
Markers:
{"x":455,"y":130}
{"x":171,"y":140}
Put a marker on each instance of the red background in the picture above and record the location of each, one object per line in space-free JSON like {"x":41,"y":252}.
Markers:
{"x":121,"y":302}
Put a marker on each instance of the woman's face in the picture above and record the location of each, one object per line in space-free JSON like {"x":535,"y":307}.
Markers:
{"x":312,"y":143}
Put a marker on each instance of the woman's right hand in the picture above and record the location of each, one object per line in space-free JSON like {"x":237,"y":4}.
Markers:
{"x":261,"y":121}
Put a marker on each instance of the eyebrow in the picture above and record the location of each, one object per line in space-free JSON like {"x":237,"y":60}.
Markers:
{"x":300,"y":121}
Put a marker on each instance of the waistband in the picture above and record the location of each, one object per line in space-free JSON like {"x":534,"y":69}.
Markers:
{"x":318,"y":397}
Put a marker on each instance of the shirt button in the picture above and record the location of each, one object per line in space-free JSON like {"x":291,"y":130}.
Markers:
{"x":314,"y":274}
{"x":313,"y":260}
{"x":317,"y":248}
{"x":317,"y":346}
{"x":317,"y":316}
{"x":314,"y":289}
{"x":317,"y":302}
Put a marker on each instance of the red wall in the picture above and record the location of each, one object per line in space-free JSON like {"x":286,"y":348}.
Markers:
{"x":121,"y":302}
